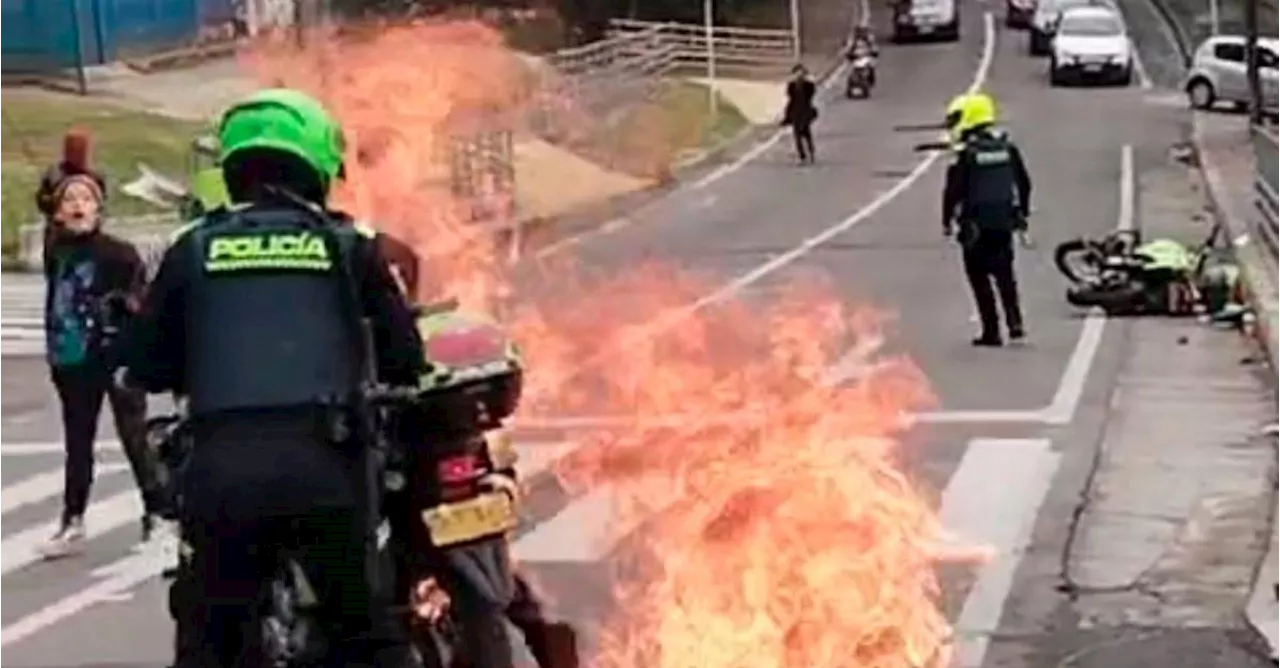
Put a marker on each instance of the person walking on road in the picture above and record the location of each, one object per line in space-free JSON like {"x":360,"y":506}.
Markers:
{"x":93,"y":280}
{"x":800,"y":112}
{"x":985,"y":203}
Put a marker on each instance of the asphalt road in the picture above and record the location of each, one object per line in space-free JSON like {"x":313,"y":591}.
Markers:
{"x":867,"y":215}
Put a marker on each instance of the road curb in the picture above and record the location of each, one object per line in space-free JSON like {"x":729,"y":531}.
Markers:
{"x":1260,"y":279}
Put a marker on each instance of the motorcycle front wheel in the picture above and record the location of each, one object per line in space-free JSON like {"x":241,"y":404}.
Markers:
{"x":1078,"y":260}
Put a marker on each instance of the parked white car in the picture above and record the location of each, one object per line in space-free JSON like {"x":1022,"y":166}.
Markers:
{"x":1218,"y":72}
{"x":1044,"y":21}
{"x":1091,"y":43}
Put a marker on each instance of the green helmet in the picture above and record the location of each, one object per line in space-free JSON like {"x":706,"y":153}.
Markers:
{"x":284,"y":120}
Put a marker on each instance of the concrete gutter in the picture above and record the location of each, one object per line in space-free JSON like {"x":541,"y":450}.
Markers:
{"x":1259,"y":272}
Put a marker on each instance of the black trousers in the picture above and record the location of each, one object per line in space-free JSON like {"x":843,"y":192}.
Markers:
{"x":81,"y":390}
{"x":257,"y":489}
{"x":803,"y":135}
{"x":231,"y":562}
{"x":988,"y":259}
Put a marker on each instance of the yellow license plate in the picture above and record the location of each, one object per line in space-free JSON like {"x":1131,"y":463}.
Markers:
{"x":485,"y":515}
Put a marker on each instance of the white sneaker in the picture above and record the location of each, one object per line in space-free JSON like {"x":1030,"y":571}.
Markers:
{"x":68,"y":541}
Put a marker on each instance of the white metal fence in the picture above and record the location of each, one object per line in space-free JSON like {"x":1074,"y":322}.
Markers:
{"x":748,"y":53}
{"x":589,"y":85}
{"x":1264,"y":183}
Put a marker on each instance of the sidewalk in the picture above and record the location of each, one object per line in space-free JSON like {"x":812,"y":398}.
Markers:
{"x":1226,"y":159}
{"x":1179,"y":506}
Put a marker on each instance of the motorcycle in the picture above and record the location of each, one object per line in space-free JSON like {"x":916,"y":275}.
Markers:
{"x":1123,"y":275}
{"x":862,"y":76}
{"x":442,"y":537}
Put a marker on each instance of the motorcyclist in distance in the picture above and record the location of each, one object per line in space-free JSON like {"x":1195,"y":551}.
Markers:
{"x":862,"y":47}
{"x":863,"y":42}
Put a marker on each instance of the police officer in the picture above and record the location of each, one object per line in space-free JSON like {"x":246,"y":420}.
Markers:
{"x":257,"y":317}
{"x":985,"y":202}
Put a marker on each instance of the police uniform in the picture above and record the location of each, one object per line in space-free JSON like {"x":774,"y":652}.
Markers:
{"x":987,"y":195}
{"x":255,"y":316}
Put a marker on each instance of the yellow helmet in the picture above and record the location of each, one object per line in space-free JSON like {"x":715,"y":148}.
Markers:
{"x":966,"y":111}
{"x":980,"y":110}
{"x":955,"y":117}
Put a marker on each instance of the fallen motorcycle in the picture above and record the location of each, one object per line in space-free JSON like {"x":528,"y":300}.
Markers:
{"x":1124,"y":275}
{"x":862,"y":77}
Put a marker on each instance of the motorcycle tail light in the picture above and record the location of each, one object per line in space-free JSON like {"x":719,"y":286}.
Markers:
{"x":458,"y":469}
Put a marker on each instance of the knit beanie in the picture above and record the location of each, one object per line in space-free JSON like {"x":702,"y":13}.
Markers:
{"x":65,"y":182}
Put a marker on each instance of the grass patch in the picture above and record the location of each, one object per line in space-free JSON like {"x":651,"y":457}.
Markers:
{"x":675,"y":122}
{"x":34,"y":122}
{"x":687,"y":117}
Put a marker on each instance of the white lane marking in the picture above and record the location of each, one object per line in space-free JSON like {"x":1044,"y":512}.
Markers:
{"x":19,"y":550}
{"x":993,"y":499}
{"x":1144,"y":81}
{"x":535,"y":457}
{"x":675,"y":316}
{"x":42,"y":486}
{"x":130,"y":577}
{"x":1062,"y":407}
{"x":979,"y":77}
{"x":716,"y":175}
{"x":742,"y":160}
{"x":778,"y":134}
{"x":120,"y":576}
{"x":53,"y":448}
{"x":127,"y":574}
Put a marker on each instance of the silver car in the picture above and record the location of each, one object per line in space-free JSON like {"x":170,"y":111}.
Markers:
{"x":1218,"y":72}
{"x":1044,"y":22}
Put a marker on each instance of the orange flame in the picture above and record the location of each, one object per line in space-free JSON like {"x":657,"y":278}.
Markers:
{"x":778,"y":530}
{"x":402,"y":93}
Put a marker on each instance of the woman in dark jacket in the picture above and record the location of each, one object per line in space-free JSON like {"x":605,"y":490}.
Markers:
{"x":800,"y":112}
{"x":93,"y":281}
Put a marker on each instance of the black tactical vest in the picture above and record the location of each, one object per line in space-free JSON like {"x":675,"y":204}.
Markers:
{"x":273,"y":320}
{"x":991,"y":202}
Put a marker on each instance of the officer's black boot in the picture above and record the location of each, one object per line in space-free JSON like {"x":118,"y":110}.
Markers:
{"x":186,"y":634}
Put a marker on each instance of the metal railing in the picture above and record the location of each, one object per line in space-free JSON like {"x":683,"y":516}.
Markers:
{"x":599,"y":78}
{"x":1264,"y":183}
{"x":738,"y":52}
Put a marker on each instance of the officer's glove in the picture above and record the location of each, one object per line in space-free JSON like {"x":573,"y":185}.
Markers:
{"x":1024,"y":238}
{"x":429,"y":600}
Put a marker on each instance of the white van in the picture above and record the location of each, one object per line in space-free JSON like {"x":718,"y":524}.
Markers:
{"x":926,"y":18}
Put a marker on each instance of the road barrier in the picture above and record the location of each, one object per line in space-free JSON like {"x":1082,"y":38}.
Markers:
{"x":1264,"y":184}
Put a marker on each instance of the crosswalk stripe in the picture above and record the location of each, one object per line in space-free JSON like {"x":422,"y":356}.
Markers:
{"x":979,"y":504}
{"x":20,"y":550}
{"x":22,"y":316}
{"x":43,"y":486}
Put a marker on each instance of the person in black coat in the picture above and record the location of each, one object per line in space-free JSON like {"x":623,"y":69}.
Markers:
{"x":93,"y":282}
{"x":800,"y":112}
